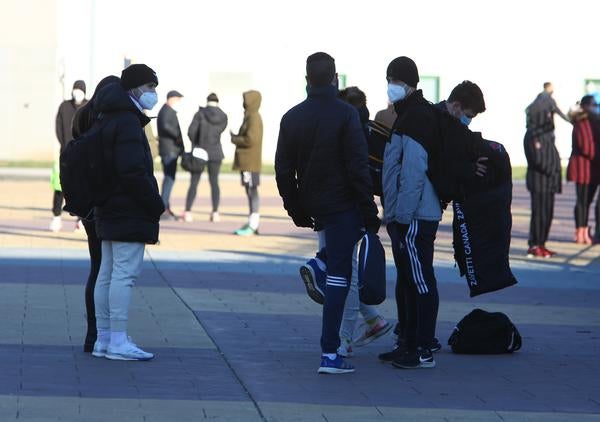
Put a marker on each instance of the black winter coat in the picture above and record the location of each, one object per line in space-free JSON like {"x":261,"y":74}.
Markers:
{"x":64,"y":121}
{"x":543,"y":163}
{"x":205,"y":131}
{"x":321,"y":163}
{"x":133,"y":209}
{"x":170,"y":140}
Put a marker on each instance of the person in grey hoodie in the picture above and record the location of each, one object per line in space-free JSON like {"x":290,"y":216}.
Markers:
{"x":412,"y":212}
{"x":205,"y":132}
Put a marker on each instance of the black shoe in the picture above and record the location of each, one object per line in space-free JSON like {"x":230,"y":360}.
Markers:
{"x":420,"y":358}
{"x":436,"y":346}
{"x":397,"y":353}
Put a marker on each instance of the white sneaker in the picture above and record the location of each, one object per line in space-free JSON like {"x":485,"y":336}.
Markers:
{"x":127,"y":351}
{"x":345,"y":349}
{"x":99,"y":349}
{"x":187,"y":217}
{"x":56,"y":224}
{"x":215,"y":217}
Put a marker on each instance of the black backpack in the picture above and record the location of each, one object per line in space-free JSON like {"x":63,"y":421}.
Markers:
{"x":86,"y":174}
{"x":371,"y":270}
{"x":486,"y":333}
{"x":378,"y":137}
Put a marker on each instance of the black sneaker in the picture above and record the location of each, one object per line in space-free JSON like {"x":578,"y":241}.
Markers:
{"x":436,"y":346}
{"x":397,"y":353}
{"x":420,"y":358}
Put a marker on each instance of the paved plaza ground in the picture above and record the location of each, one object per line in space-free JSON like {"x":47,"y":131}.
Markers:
{"x":237,"y":339}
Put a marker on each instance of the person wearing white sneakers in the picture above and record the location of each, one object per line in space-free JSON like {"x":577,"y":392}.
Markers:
{"x":129,"y":218}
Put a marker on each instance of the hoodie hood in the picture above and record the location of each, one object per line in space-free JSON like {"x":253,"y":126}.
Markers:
{"x":252,"y":100}
{"x":214,"y":115}
{"x":113,"y":98}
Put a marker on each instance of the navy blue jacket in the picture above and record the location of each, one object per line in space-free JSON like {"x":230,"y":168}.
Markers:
{"x":321,"y":163}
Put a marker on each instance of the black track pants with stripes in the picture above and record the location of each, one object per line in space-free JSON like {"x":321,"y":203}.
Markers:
{"x":416,"y":292}
{"x":542,"y":213}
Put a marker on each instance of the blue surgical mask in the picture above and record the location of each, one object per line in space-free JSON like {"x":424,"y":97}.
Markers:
{"x":148,"y":100}
{"x":465,"y":120}
{"x":396,"y":93}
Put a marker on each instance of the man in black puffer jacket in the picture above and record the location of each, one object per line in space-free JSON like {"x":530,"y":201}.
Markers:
{"x":129,"y":217}
{"x":323,"y":178}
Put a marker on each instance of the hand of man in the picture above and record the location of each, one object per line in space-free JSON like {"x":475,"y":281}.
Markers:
{"x":480,"y":166}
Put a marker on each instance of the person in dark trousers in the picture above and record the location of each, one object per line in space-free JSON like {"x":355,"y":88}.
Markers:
{"x":543,"y":169}
{"x":82,"y":122}
{"x":321,"y":168}
{"x":584,"y":166}
{"x":248,"y":158}
{"x":64,"y":134}
{"x":170,"y":147}
{"x":412,"y":211}
{"x":205,"y":132}
{"x":129,"y":218}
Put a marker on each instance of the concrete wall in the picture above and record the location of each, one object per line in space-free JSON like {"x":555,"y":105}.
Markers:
{"x":233,"y":45}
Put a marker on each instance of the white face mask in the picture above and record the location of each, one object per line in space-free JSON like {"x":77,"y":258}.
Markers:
{"x":148,"y":100}
{"x":395,"y":93}
{"x":78,"y":95}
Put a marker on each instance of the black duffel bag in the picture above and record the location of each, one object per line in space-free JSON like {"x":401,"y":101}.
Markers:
{"x":195,"y":160}
{"x":485,"y":333}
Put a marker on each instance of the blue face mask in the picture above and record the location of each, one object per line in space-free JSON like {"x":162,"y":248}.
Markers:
{"x":396,"y":93}
{"x":465,"y":120}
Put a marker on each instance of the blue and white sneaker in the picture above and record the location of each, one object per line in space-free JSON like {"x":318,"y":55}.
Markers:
{"x":127,"y":351}
{"x":100,"y":348}
{"x":314,"y":279}
{"x":335,"y":366}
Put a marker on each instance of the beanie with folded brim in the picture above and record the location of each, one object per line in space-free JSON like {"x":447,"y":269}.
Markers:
{"x":137,"y":75}
{"x":403,"y":69}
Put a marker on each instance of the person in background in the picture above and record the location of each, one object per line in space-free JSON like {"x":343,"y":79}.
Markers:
{"x":584,"y":166}
{"x":64,"y":134}
{"x":387,"y":116}
{"x":170,"y":147}
{"x":129,"y":219}
{"x":84,"y":119}
{"x":248,"y":158}
{"x":543,"y":169}
{"x":205,"y":132}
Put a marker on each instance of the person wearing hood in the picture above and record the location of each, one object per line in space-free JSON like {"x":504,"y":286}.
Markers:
{"x":584,"y":166}
{"x":248,"y":158}
{"x":129,"y":218}
{"x":64,"y":134}
{"x":170,"y":147}
{"x":205,"y":132}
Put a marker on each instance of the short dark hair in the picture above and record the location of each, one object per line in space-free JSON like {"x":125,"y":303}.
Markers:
{"x":353,"y":96}
{"x":320,"y":69}
{"x":547,"y":84}
{"x":469,"y":96}
{"x":586,"y":100}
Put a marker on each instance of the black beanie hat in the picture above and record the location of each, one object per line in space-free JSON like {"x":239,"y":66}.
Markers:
{"x":79,"y":85}
{"x":405,"y":70}
{"x":212,"y":97}
{"x":137,"y":75}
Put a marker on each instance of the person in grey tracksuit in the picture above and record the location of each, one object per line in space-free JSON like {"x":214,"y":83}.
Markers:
{"x":412,"y":212}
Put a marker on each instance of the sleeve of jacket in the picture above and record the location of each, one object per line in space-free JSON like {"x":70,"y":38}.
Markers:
{"x":285,"y":169}
{"x":59,"y":126}
{"x":537,"y":158}
{"x":413,"y":174}
{"x":355,"y":156}
{"x":130,"y":165}
{"x":168,"y":124}
{"x":584,"y":139}
{"x":248,"y":134}
{"x":558,"y":111}
{"x":194,"y":129}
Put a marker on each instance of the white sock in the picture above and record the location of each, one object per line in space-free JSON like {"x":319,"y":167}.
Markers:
{"x":254,"y":220}
{"x":118,"y":337}
{"x":331,"y":356}
{"x":103,"y":335}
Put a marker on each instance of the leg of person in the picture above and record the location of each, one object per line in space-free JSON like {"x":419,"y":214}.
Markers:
{"x":127,"y":265}
{"x":169,"y":170}
{"x":214,"y":167}
{"x":419,"y":245}
{"x":581,"y":192}
{"x":101,"y":300}
{"x":95,"y":249}
{"x":191,"y":196}
{"x":547,"y":217}
{"x":597,"y":214}
{"x":314,"y":272}
{"x":351,"y":308}
{"x":536,"y":229}
{"x":57,"y":200}
{"x":589,"y":198}
{"x":342,"y":232}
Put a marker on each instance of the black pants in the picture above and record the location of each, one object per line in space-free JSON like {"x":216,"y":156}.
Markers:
{"x":213,"y":177}
{"x":585,"y":197}
{"x":542,"y":213}
{"x":342,"y":232}
{"x":250,"y":181}
{"x":95,"y":249}
{"x":416,"y":287}
{"x":169,"y":170}
{"x":57,"y":201}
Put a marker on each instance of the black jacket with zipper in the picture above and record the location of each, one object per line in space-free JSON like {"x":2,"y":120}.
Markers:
{"x":205,"y":131}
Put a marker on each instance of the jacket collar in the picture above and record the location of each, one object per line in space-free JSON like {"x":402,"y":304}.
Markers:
{"x":322,"y":91}
{"x":414,"y":99}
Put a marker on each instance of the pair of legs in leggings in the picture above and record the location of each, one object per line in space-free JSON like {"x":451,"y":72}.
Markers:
{"x":95,"y":249}
{"x":585,"y":196}
{"x":214,"y":168}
